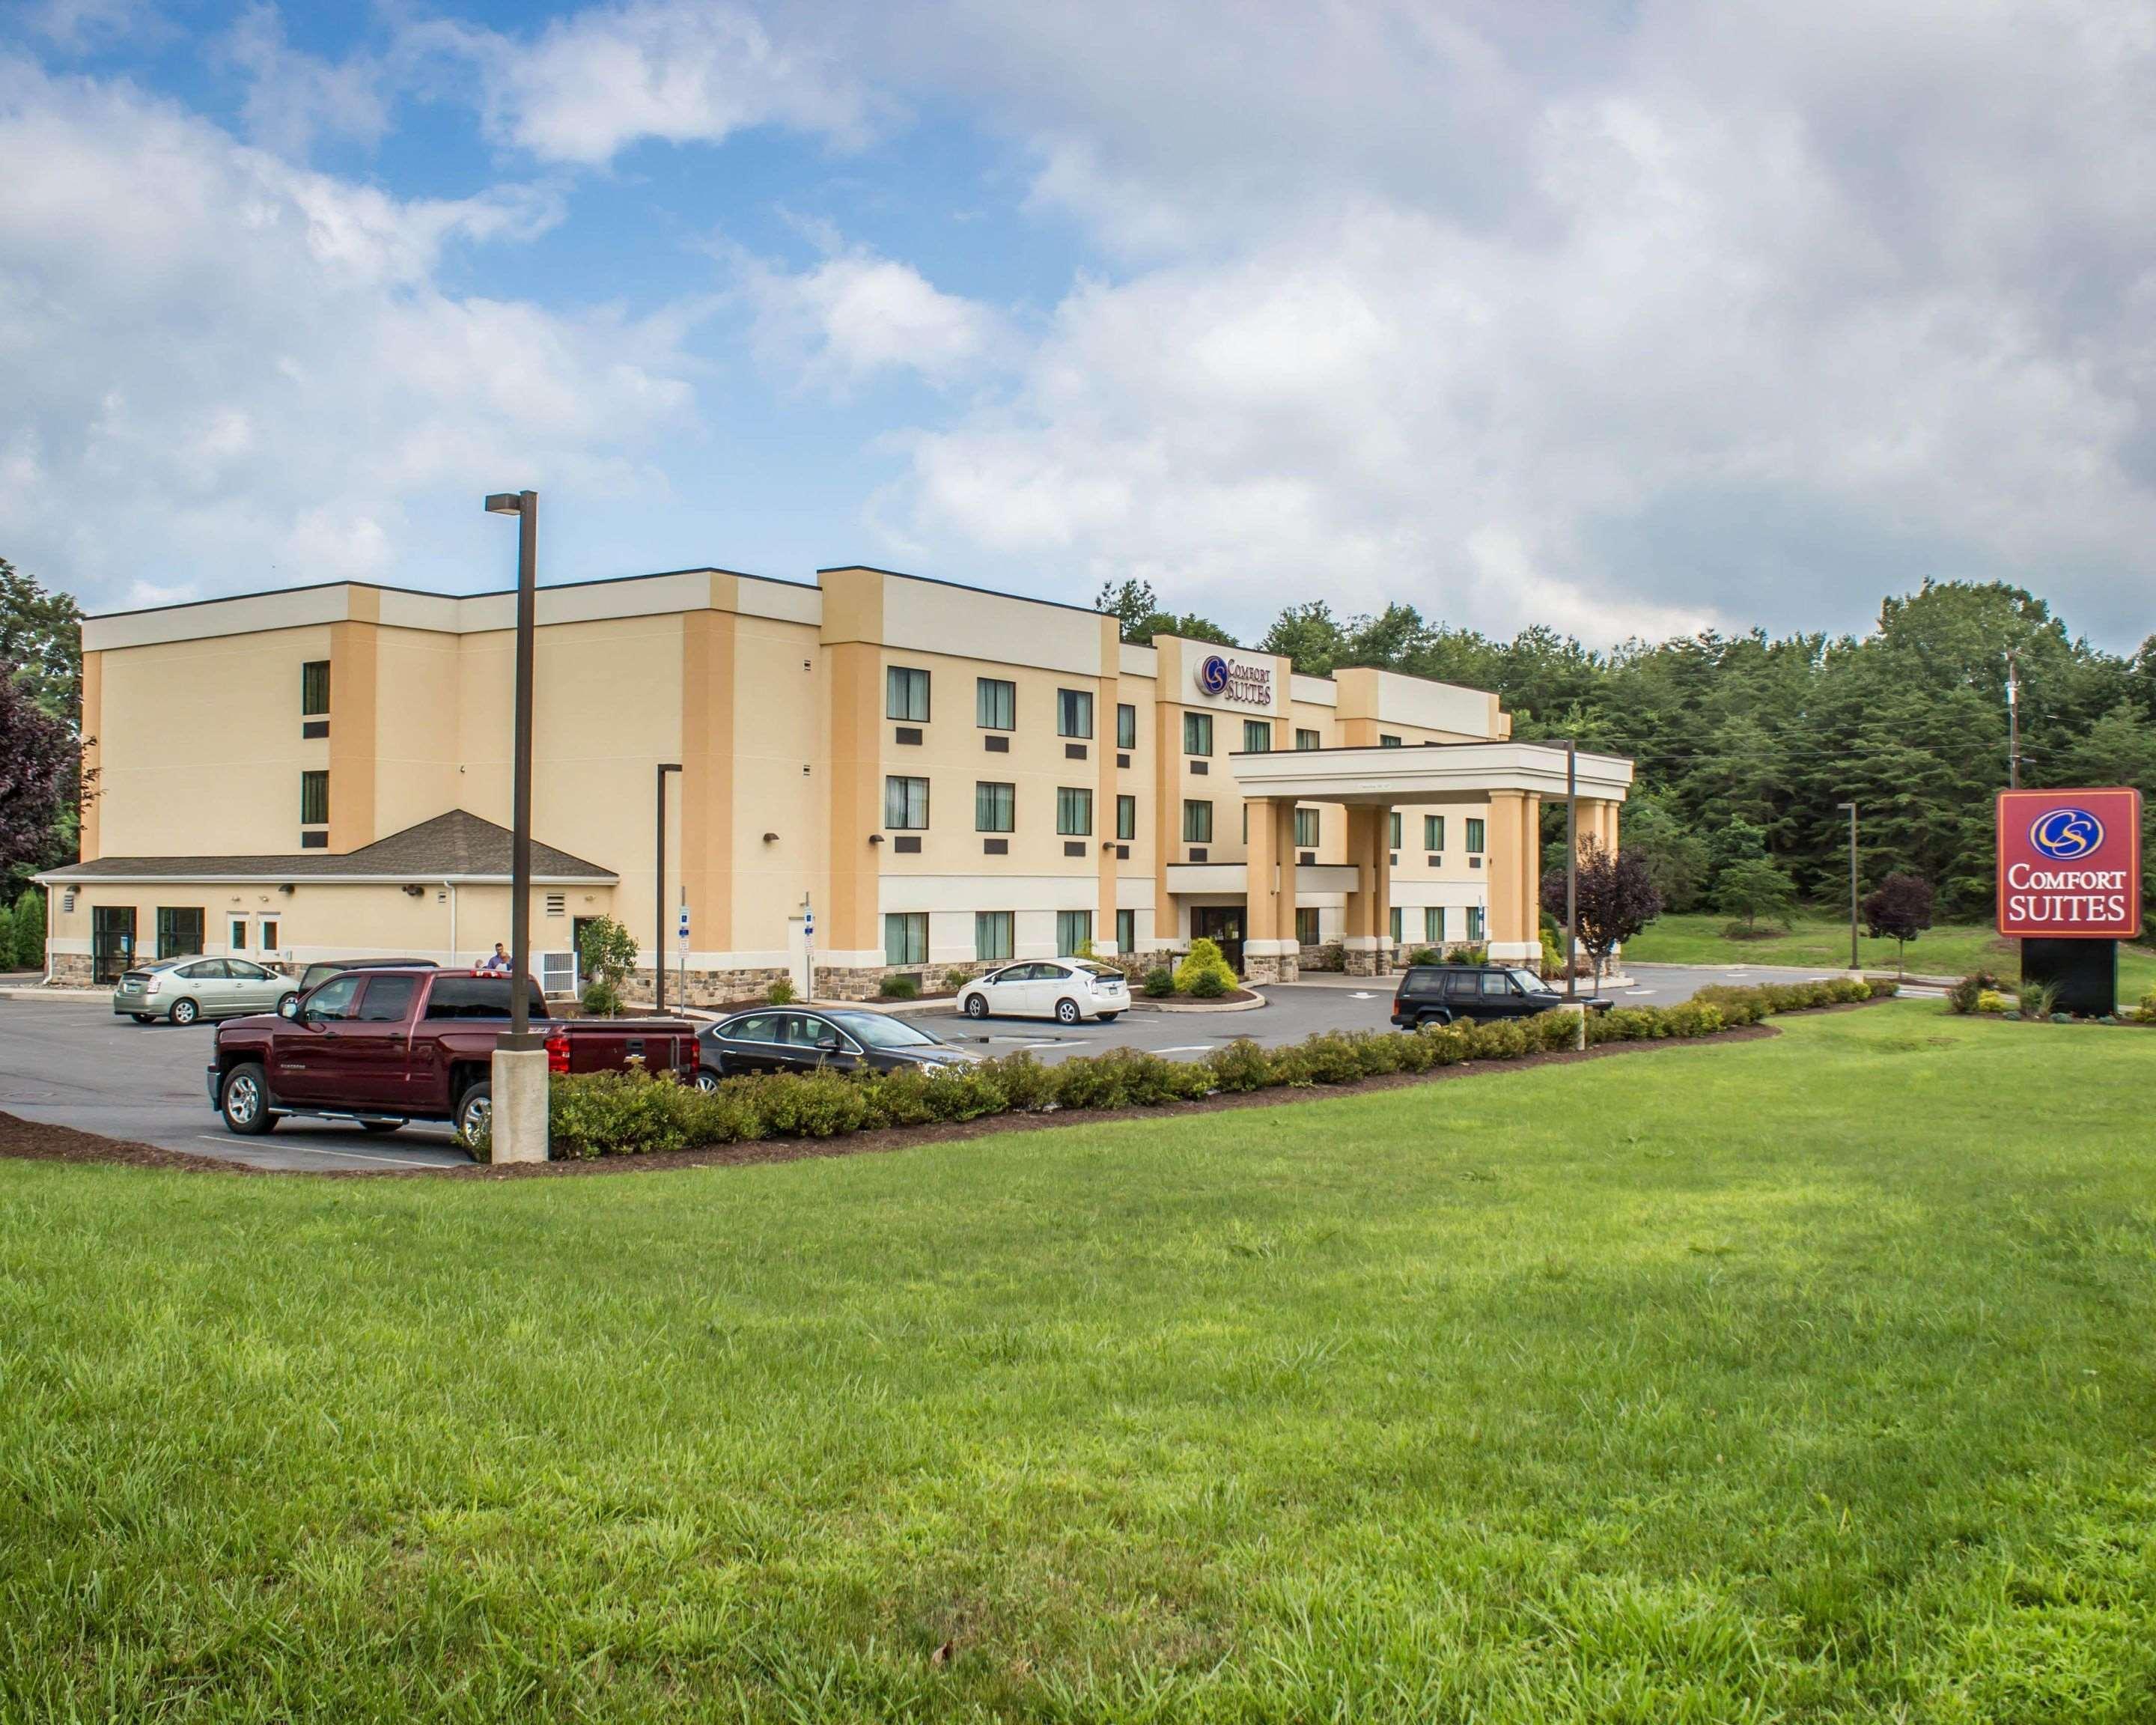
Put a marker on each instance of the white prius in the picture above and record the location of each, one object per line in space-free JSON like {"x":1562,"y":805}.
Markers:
{"x":1065,"y":989}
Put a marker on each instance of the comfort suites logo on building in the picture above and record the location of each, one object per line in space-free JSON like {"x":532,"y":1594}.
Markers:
{"x":2070,"y":864}
{"x":1234,"y":680}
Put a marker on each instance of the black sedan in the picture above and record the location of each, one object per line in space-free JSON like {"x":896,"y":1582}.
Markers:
{"x":792,"y":1039}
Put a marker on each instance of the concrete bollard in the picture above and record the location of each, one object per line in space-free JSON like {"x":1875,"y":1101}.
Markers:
{"x":519,"y":1125}
{"x":1578,"y":1012}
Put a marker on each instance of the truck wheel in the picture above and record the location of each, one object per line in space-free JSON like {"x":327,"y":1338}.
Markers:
{"x":1432,"y":1018}
{"x":185,"y":1011}
{"x":475,"y":1111}
{"x":244,"y":1102}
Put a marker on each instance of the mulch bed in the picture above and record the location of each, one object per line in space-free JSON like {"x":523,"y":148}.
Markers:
{"x":27,"y":1139}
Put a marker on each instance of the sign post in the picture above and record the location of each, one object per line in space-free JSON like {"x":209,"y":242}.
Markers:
{"x":807,"y":947}
{"x":2069,"y":888}
{"x":681,"y":935}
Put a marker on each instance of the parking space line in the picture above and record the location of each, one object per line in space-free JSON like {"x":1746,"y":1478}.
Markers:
{"x":325,"y":1150}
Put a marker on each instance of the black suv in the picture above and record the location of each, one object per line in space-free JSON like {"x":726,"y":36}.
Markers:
{"x":1439,"y":993}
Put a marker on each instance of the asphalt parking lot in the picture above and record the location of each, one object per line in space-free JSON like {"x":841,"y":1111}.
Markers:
{"x":70,"y":1061}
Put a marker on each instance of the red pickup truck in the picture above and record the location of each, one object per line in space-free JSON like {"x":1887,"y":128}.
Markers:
{"x":383,"y":1047}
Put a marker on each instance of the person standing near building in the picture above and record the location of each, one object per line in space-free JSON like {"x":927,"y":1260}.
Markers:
{"x":498,"y":962}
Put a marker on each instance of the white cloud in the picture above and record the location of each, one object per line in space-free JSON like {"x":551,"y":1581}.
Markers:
{"x":228,"y":372}
{"x":593,"y":83}
{"x":855,"y":316}
{"x":292,"y":97}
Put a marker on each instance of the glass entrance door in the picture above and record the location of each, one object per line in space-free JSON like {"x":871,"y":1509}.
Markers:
{"x":1222,"y":924}
{"x":111,"y":940}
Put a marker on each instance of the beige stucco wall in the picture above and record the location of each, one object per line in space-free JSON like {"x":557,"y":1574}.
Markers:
{"x":771,"y":696}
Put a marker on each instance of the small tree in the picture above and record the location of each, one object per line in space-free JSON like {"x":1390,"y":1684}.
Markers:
{"x":1617,"y":898}
{"x":37,"y":757}
{"x":1753,"y":889}
{"x":608,"y":952}
{"x":30,"y":929}
{"x":1205,"y":959}
{"x":1899,"y":909}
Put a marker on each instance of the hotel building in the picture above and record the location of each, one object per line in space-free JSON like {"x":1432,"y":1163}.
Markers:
{"x":876,"y":772}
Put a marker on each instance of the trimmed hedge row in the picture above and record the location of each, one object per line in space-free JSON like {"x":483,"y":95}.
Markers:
{"x":625,"y":1113}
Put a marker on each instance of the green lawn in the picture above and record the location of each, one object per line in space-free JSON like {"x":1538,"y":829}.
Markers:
{"x":1808,"y":1378}
{"x":1814,"y":940}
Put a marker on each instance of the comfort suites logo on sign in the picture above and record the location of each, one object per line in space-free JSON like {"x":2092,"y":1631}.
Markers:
{"x":1234,"y":680}
{"x":2070,"y":864}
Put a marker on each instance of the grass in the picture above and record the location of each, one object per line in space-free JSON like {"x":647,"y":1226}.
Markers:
{"x":1810,"y":1378}
{"x":1817,"y":942}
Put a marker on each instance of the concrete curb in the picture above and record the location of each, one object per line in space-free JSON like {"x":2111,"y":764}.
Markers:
{"x":40,"y":992}
{"x":1251,"y":1005}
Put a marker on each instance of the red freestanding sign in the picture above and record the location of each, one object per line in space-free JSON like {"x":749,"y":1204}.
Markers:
{"x":2070,"y":864}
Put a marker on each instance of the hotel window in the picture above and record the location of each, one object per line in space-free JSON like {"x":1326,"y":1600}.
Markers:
{"x":1127,"y":933}
{"x":994,"y":807}
{"x":314,"y":689}
{"x":1306,"y":928}
{"x":1305,"y":829}
{"x":1074,"y":812}
{"x":1433,"y":832}
{"x":1197,"y":822}
{"x":1127,"y":726}
{"x":1198,"y":733}
{"x":1385,"y":741}
{"x":906,"y":804}
{"x":905,"y":937}
{"x":995,"y":704}
{"x":1433,"y":924}
{"x":992,"y":934}
{"x":1074,"y":932}
{"x":1475,"y":835}
{"x":905,"y":695}
{"x":1073,"y":712}
{"x":1307,"y":739}
{"x":179,"y":931}
{"x":1257,"y":737}
{"x":314,"y":799}
{"x":1400,"y":924}
{"x":1126,"y":819}
{"x":1396,"y":830}
{"x":1474,"y":922}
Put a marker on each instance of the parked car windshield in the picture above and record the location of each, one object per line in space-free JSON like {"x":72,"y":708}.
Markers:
{"x":877,"y":1031}
{"x":1531,"y":982}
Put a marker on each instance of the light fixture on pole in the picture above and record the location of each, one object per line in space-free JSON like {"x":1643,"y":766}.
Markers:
{"x":2012,"y":719}
{"x":518,"y":1126}
{"x":1851,"y":808}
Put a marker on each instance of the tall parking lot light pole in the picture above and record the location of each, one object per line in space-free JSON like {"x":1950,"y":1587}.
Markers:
{"x":518,"y":1127}
{"x":1851,"y":808}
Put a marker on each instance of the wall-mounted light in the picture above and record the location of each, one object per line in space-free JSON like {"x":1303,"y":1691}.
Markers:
{"x":287,"y":890}
{"x":770,"y":838}
{"x":415,"y":892}
{"x":875,"y":838}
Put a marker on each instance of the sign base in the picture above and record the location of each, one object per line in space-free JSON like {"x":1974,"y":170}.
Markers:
{"x":2085,"y":973}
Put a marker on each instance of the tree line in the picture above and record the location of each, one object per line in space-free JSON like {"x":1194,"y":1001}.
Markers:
{"x":1746,"y":743}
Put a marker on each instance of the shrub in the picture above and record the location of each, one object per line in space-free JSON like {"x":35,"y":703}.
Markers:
{"x":607,"y":952}
{"x":1499,"y":1040}
{"x":899,"y":1098}
{"x":1962,"y":997}
{"x":1211,"y":985}
{"x":2145,"y":1012}
{"x":2037,"y":1000}
{"x":29,"y":922}
{"x":1847,"y":990}
{"x":1027,"y":1084}
{"x":780,"y":993}
{"x":618,"y":1114}
{"x":900,"y":988}
{"x":1425,"y":955}
{"x":1094,"y":1082}
{"x":1882,"y":987}
{"x":954,"y":979}
{"x":1991,"y":1001}
{"x":810,"y":1104}
{"x":1205,"y":959}
{"x":1241,"y":1066}
{"x":1474,"y":952}
{"x":967,"y":1092}
{"x":1694,"y":1018}
{"x":1738,"y":1006}
{"x":1159,"y":983}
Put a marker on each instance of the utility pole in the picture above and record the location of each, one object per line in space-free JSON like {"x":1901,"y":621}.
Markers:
{"x":2012,"y":721}
{"x":1851,"y":808}
{"x":1571,"y":870}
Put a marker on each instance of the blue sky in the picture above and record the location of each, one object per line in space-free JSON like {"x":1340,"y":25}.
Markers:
{"x":1621,"y":318}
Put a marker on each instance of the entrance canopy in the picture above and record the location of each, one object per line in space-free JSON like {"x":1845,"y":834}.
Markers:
{"x":1512,"y":780}
{"x":1433,"y":772}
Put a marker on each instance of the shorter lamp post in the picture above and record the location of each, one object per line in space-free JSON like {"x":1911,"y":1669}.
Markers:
{"x":658,"y":894}
{"x":1851,"y":808}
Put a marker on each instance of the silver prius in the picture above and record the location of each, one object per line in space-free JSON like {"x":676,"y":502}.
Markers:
{"x":185,"y":989}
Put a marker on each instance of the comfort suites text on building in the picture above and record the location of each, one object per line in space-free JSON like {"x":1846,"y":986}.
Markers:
{"x":942,"y":776}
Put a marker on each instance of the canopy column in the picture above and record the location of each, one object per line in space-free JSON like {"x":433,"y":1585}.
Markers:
{"x":1368,"y":940}
{"x":1515,"y":873}
{"x":1269,"y":953}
